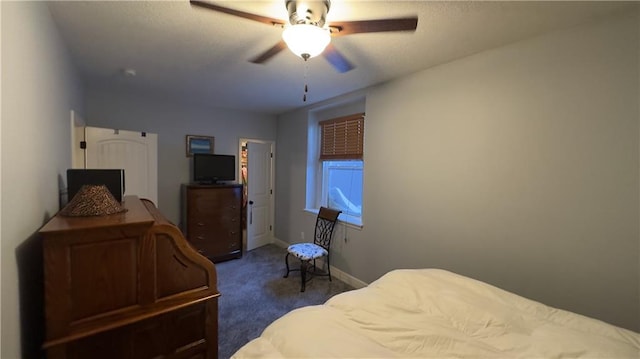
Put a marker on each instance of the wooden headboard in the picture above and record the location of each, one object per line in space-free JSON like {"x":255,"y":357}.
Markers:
{"x":127,"y":285}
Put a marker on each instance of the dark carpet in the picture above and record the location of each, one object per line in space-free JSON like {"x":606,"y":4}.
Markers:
{"x":254,"y":294}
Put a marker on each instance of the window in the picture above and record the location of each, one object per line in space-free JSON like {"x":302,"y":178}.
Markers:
{"x":340,"y":155}
{"x":342,"y":186}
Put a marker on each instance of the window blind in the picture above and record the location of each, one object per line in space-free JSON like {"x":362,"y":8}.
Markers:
{"x":342,"y":138}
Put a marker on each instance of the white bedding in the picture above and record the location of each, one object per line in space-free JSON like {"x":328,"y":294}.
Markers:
{"x":432,"y":313}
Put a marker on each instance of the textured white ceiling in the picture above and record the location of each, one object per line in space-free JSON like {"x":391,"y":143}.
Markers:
{"x":193,"y":54}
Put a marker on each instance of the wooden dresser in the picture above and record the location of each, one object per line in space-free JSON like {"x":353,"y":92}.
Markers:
{"x":127,"y":286}
{"x":212,"y":219}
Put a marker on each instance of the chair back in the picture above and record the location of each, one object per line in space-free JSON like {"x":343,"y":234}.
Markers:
{"x":325,"y":223}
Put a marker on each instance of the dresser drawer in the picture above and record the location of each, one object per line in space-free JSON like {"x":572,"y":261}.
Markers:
{"x":212,"y":220}
{"x":207,"y":200}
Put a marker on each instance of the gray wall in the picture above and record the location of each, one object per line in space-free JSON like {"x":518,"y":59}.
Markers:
{"x":172,"y":121}
{"x":517,"y":166}
{"x":39,"y":88}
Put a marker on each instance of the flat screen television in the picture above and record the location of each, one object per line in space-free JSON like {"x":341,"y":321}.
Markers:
{"x":209,"y":169}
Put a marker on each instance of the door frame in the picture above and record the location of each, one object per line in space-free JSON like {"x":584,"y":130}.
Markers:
{"x":77,"y":135}
{"x":272,"y":144}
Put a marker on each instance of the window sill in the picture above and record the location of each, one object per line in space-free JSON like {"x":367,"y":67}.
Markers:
{"x":349,"y":221}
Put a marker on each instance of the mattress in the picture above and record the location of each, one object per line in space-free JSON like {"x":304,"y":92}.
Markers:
{"x":433,"y":313}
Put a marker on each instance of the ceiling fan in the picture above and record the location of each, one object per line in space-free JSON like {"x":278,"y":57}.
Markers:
{"x":307,"y":34}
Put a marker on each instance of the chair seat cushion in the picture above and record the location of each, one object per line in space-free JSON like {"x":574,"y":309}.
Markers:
{"x":307,"y":251}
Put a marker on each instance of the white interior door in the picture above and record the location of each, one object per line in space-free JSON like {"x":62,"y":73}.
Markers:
{"x":259,"y":189}
{"x":135,"y":152}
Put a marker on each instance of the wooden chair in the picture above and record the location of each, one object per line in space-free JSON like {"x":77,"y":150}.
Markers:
{"x":307,"y":252}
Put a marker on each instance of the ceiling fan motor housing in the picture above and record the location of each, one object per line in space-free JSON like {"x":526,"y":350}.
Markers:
{"x":308,"y":12}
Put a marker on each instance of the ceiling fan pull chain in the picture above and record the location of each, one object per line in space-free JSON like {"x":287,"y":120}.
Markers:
{"x":304,"y":97}
{"x":306,"y":88}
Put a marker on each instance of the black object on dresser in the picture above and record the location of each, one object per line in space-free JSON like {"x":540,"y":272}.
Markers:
{"x":112,"y":178}
{"x":212,"y":219}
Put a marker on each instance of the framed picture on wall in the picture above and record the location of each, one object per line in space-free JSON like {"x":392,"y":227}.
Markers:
{"x":199,"y":144}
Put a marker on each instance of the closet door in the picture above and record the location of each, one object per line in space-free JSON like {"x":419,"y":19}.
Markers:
{"x":260,"y":194}
{"x":135,"y":152}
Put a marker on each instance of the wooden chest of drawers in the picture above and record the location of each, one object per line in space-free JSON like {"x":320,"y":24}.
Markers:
{"x":212,"y":219}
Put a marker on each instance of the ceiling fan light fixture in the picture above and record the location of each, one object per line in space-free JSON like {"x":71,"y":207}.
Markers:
{"x":306,"y":40}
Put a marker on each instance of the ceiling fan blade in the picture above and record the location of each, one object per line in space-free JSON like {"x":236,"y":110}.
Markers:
{"x":263,"y":19}
{"x":265,"y":56}
{"x":341,"y":28}
{"x":335,"y":58}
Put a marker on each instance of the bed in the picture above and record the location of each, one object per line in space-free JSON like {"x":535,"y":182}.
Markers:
{"x":433,"y":313}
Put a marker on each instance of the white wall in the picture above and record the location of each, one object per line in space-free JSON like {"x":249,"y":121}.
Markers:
{"x":39,"y":88}
{"x":172,"y":121}
{"x":517,"y":166}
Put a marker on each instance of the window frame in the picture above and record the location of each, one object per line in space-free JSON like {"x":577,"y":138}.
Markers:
{"x":317,"y":191}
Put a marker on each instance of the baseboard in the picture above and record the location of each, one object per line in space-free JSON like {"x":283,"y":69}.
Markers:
{"x":335,"y":272}
{"x":347,"y":278}
{"x":280,"y":243}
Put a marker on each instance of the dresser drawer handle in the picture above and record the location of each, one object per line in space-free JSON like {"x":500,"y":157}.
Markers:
{"x":200,"y":224}
{"x":200,"y":237}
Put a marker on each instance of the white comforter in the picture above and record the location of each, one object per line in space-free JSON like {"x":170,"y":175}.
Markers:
{"x":431,"y":313}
